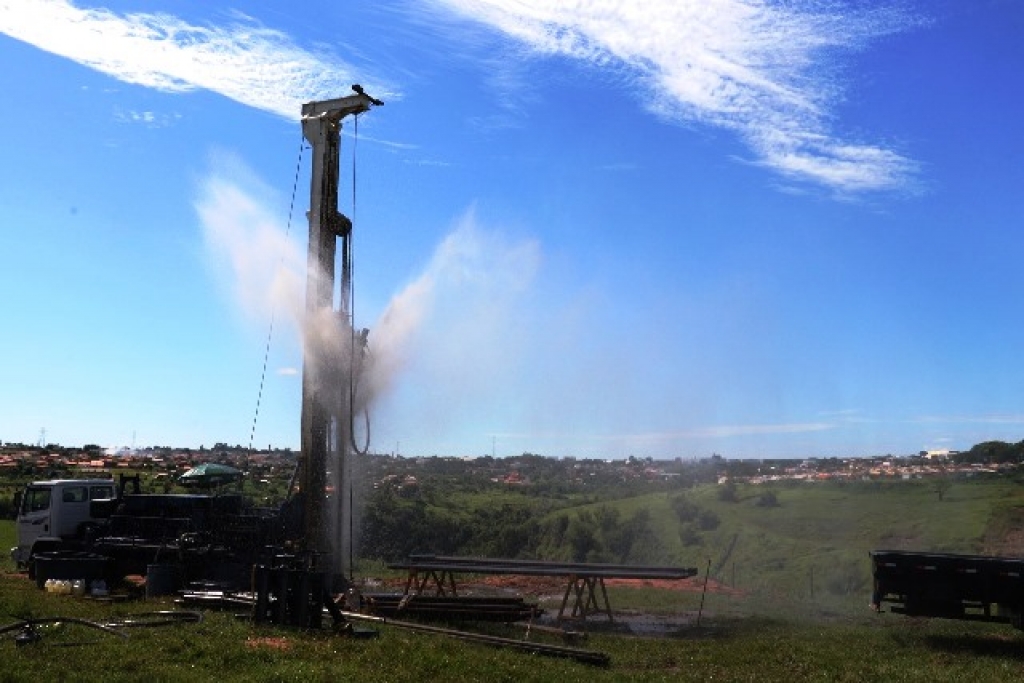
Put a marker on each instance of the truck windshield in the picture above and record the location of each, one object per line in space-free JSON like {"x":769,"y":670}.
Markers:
{"x":36,"y":499}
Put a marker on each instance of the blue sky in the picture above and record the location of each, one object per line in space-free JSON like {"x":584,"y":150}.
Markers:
{"x":597,"y":228}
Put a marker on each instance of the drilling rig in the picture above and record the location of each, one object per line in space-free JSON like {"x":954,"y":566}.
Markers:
{"x":294,"y":557}
{"x":333,"y":350}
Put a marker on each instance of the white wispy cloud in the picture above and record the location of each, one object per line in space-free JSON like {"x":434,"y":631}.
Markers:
{"x":436,"y":163}
{"x":969,"y":419}
{"x":244,"y":61}
{"x":765,"y":69}
{"x":148,"y":119}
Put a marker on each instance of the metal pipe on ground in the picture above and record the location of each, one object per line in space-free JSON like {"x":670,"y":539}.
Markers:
{"x":583,"y":656}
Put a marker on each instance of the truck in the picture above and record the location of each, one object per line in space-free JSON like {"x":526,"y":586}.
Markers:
{"x":59,"y":514}
{"x":209,"y":537}
{"x":950,"y":586}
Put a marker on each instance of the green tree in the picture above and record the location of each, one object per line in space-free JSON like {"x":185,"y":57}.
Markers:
{"x":582,"y":539}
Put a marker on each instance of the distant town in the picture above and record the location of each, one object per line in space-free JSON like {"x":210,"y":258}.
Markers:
{"x":20,"y":460}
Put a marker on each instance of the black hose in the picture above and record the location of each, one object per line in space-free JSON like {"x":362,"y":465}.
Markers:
{"x":31,"y":623}
{"x":142,"y":619}
{"x":158,"y":618}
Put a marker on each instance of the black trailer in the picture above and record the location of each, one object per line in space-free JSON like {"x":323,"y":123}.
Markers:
{"x":970,"y":587}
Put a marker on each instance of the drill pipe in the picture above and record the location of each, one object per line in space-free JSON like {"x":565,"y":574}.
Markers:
{"x":582,"y":656}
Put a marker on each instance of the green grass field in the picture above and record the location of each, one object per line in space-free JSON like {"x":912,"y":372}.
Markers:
{"x":222,"y":647}
{"x":801,"y":614}
{"x":813,"y":546}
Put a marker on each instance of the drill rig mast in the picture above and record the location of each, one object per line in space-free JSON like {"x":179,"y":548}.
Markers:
{"x":332,"y":350}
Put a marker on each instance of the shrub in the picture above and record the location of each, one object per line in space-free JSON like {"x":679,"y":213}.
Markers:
{"x":689,"y":535}
{"x":707,"y":520}
{"x":685,"y":510}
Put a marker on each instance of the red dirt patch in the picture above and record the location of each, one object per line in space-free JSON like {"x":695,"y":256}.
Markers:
{"x":694,"y":585}
{"x":555,"y":585}
{"x":271,"y":643}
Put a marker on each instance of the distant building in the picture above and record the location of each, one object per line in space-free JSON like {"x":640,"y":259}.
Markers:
{"x":942,"y":454}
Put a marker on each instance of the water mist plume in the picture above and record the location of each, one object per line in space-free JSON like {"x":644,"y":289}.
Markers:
{"x":263,"y":269}
{"x":246,"y":244}
{"x":455,"y":320}
{"x":459,"y":327}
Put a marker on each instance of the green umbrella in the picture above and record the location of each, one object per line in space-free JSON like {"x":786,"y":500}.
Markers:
{"x":210,"y":474}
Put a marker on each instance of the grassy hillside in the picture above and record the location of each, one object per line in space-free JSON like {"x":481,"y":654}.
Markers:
{"x":815,"y":539}
{"x":812,"y":544}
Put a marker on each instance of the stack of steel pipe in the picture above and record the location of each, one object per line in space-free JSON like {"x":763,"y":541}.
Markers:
{"x":476,"y":608}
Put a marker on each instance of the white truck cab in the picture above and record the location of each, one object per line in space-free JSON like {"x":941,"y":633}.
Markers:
{"x":52,"y":512}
